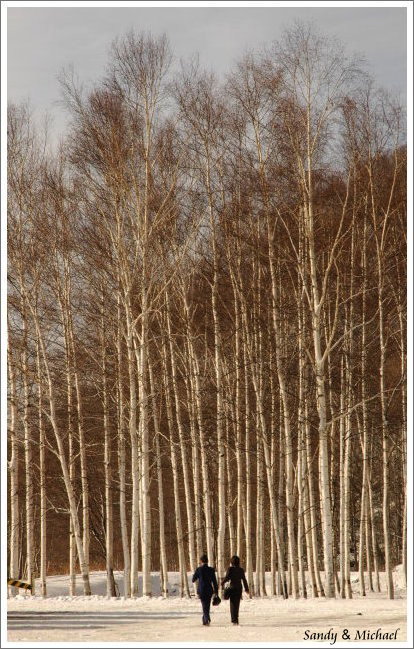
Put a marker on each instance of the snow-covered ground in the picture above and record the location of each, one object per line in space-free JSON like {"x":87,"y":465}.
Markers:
{"x":96,"y":619}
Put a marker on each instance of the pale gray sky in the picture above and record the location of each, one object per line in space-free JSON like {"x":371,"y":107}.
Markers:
{"x":43,"y":40}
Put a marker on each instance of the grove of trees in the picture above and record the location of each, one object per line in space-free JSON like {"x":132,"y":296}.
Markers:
{"x":207,"y":323}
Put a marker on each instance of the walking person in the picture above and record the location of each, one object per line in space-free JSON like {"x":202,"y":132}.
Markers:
{"x":235,"y":575}
{"x":207,"y":585}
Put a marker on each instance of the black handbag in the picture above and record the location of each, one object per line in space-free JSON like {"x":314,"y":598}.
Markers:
{"x":216,"y":600}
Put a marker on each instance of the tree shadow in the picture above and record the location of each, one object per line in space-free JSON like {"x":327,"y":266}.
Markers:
{"x":48,"y":620}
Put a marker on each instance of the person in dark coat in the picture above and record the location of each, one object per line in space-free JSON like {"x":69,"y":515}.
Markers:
{"x":235,"y":575}
{"x":207,"y":585}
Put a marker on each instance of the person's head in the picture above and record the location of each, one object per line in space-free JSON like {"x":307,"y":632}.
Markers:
{"x":235,"y":561}
{"x":204,"y":558}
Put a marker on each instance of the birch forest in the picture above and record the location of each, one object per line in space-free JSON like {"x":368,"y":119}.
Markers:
{"x":207,"y":323}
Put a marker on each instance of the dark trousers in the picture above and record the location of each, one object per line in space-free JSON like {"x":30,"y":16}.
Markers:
{"x":205,"y":603}
{"x":235,"y":598}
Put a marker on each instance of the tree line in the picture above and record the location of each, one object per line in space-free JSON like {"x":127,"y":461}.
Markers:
{"x":207,"y":323}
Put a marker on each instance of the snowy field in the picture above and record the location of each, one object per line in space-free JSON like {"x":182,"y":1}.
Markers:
{"x":98,"y":619}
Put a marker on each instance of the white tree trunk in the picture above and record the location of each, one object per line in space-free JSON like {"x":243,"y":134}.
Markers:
{"x":404,"y":434}
{"x":363,"y":528}
{"x":312,"y":505}
{"x":374,"y":536}
{"x":28,"y":457}
{"x":307,"y":523}
{"x":13,"y":465}
{"x":72,"y":357}
{"x":135,"y":469}
{"x":347,"y":461}
{"x":145,"y":460}
{"x":301,"y":462}
{"x":230,"y":496}
{"x":63,"y":293}
{"x":220,"y":440}
{"x":238,"y":426}
{"x":385,"y":448}
{"x":42,"y":477}
{"x":272,"y":474}
{"x":249,"y":560}
{"x":342,"y":541}
{"x":301,"y":535}
{"x":122,"y":462}
{"x":260,"y":585}
{"x":72,"y":540}
{"x":109,"y":510}
{"x":195,"y":451}
{"x":161,"y":511}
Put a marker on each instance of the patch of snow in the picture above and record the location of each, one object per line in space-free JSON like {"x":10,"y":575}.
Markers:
{"x":269,"y":619}
{"x":58,"y":585}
